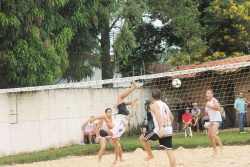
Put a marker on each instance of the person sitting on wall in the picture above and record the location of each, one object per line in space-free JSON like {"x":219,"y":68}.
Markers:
{"x":88,"y":129}
{"x":149,"y":115}
{"x":187,"y":122}
{"x":196,"y":116}
{"x":204,"y":119}
{"x":180,"y":111}
{"x":223,"y":117}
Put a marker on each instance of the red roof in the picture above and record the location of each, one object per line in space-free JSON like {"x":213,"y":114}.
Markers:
{"x":214,"y":63}
{"x":157,"y":68}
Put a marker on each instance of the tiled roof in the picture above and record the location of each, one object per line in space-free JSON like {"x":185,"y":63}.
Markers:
{"x":214,"y":63}
{"x":157,"y":68}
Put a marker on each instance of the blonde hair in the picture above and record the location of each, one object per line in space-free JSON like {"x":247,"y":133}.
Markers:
{"x":210,"y":90}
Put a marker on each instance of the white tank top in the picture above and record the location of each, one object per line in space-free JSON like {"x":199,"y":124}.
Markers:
{"x":213,"y":114}
{"x":90,"y":127}
{"x":164,"y":109}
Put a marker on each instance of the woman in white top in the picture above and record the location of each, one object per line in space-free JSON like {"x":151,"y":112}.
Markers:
{"x":213,"y":109}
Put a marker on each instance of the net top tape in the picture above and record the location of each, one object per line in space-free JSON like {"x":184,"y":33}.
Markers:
{"x":125,"y":79}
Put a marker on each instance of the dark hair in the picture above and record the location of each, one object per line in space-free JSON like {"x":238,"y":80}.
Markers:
{"x":156,"y":94}
{"x":106,"y":110}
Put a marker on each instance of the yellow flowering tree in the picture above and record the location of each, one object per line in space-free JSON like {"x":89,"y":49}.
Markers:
{"x":227,"y":25}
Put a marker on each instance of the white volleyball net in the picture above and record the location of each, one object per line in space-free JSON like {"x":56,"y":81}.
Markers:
{"x":225,"y":80}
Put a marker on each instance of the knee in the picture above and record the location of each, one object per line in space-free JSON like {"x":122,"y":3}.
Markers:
{"x":141,"y":138}
{"x":213,"y":135}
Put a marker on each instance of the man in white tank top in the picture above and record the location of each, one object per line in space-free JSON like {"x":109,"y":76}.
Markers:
{"x":160,"y":112}
{"x":213,"y":110}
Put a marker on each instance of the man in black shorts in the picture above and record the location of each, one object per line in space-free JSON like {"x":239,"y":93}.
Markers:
{"x":160,"y":111}
{"x":118,"y":126}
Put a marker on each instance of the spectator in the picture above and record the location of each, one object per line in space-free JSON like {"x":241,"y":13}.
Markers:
{"x":247,"y":105}
{"x":180,"y":111}
{"x":89,"y":130}
{"x":189,"y":103}
{"x":187,"y":118}
{"x":204,"y":120}
{"x":223,"y":117}
{"x":196,"y":116}
{"x":240,"y":106}
{"x":149,"y":115}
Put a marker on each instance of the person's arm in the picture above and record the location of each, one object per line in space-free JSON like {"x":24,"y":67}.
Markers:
{"x":155,"y":109}
{"x":183,"y":119}
{"x":103,"y":117}
{"x":190,"y":119}
{"x":199,"y":112}
{"x":215,"y":105}
{"x":133,"y":102}
{"x":235,"y":105}
{"x":84,"y":125}
{"x":246,"y":104}
{"x":171,"y":116}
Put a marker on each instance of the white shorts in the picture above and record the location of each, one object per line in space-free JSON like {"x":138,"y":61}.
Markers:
{"x":119,"y":129}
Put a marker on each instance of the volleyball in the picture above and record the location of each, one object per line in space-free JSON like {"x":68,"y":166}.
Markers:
{"x":176,"y":83}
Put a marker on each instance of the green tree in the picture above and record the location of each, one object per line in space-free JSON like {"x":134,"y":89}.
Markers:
{"x":227,"y":28}
{"x":34,"y":38}
{"x":110,"y":12}
{"x":83,"y":54}
{"x":181,"y":29}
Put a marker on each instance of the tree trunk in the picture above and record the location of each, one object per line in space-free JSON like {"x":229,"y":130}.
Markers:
{"x":106,"y":64}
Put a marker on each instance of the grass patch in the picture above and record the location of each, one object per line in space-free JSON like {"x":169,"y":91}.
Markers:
{"x":128,"y":144}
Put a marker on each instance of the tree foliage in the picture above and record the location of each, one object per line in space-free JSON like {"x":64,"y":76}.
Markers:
{"x":192,"y":31}
{"x":227,"y":28}
{"x":43,"y":41}
{"x":129,"y":14}
{"x":180,"y":29}
{"x":35,"y":37}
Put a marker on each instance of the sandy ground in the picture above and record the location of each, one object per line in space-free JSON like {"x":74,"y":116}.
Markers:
{"x":233,"y":156}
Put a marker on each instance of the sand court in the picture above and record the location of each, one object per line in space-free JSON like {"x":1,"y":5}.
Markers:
{"x":233,"y":156}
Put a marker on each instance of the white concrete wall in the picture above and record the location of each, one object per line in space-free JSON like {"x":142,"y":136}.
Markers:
{"x":31,"y":121}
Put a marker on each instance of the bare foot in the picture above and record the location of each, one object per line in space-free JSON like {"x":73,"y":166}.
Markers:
{"x":121,"y":160}
{"x":149,"y":158}
{"x":215,"y":153}
{"x":221,"y":149}
{"x":114,"y":163}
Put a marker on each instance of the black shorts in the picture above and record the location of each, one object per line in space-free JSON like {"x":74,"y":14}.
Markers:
{"x":165,"y":142}
{"x":122,"y":109}
{"x":103,"y":133}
